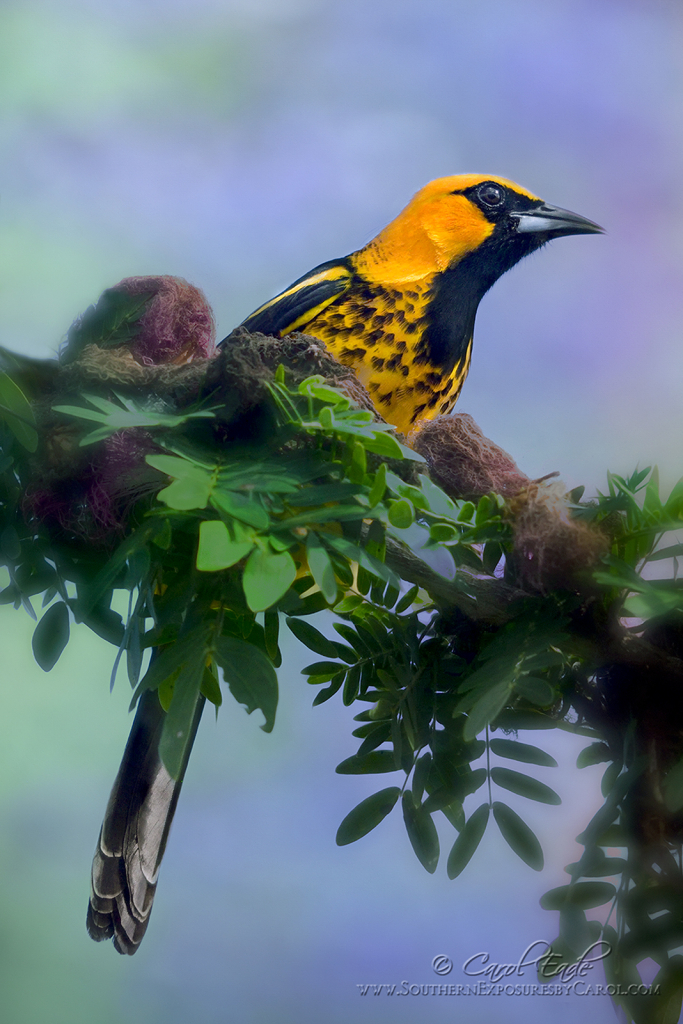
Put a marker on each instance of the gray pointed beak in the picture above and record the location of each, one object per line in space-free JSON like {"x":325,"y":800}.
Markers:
{"x":554,"y":222}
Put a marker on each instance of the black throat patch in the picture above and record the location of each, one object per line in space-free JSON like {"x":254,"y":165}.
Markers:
{"x":457,"y":292}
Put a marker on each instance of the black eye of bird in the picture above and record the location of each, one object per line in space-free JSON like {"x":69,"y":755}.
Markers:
{"x":490,"y":194}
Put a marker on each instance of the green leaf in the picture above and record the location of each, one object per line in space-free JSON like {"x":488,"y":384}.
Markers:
{"x":17,"y":413}
{"x":674,"y":503}
{"x":536,"y":691}
{"x":191,"y":486}
{"x":543,"y":660}
{"x":359,"y":463}
{"x":10,"y":545}
{"x":180,"y":724}
{"x":51,"y":636}
{"x":380,"y":734}
{"x":635,"y":480}
{"x":593,"y":754}
{"x":485,"y":507}
{"x":494,"y":670}
{"x":652,"y":603}
{"x":167,"y":662}
{"x":164,"y":536}
{"x":357,"y":554}
{"x":249,"y":675}
{"x":466,"y":844}
{"x":321,"y":494}
{"x":10,"y":595}
{"x":407,"y":600}
{"x":389,"y":448}
{"x":267,"y":577}
{"x":442,"y":533}
{"x":113,"y":321}
{"x":209,"y":686}
{"x":328,"y":514}
{"x":217,"y":550}
{"x":414,"y":494}
{"x":81,"y":412}
{"x":240,"y":507}
{"x":579,"y":894}
{"x":281,"y":542}
{"x":610,"y":776}
{"x":178,"y":467}
{"x":312,"y":638}
{"x":613,"y":835}
{"x":329,"y":691}
{"x":466,"y":512}
{"x":486,"y":709}
{"x":651,"y":503}
{"x":271,"y":476}
{"x":597,"y":866}
{"x":622,"y":574}
{"x":323,"y":668}
{"x":367,"y":815}
{"x":522,"y":752}
{"x":379,"y":486}
{"x":315,"y":387}
{"x":525,"y":786}
{"x":518,"y":835}
{"x":401,"y":514}
{"x":422,"y":833}
{"x":347,"y":654}
{"x":420,"y":776}
{"x":454,"y":814}
{"x":528,"y":719}
{"x":374,"y":763}
{"x":123,"y":417}
{"x":673,"y":551}
{"x":107,"y":624}
{"x":351,"y":686}
{"x":469,"y":782}
{"x":271,"y":632}
{"x":321,"y":567}
{"x":348,"y":604}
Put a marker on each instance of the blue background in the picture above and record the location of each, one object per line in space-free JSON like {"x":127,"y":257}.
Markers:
{"x":238,"y":143}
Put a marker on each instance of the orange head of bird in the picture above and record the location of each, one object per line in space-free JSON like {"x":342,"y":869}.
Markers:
{"x":488,"y":221}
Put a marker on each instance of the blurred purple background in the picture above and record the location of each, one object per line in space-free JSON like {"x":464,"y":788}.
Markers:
{"x":237,"y":144}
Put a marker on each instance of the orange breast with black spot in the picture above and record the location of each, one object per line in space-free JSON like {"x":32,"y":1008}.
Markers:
{"x":380,"y":332}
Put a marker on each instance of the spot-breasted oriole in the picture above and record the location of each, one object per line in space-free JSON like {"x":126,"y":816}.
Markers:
{"x":401,"y":312}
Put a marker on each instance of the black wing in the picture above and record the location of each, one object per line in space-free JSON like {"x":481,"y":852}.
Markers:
{"x":293,"y":308}
{"x":134,"y":831}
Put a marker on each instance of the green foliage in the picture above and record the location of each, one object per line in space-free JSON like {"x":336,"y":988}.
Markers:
{"x":518,"y":835}
{"x":16,"y":412}
{"x":367,"y":815}
{"x":581,"y":894}
{"x":228,"y":538}
{"x":114,"y":320}
{"x":51,"y":636}
{"x":122,"y":415}
{"x":638,"y":520}
{"x":465,"y":846}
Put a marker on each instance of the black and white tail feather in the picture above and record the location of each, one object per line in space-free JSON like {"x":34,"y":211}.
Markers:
{"x":134,"y":832}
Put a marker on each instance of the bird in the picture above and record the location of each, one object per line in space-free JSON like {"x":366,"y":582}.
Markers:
{"x":134,"y":831}
{"x":400,"y":311}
